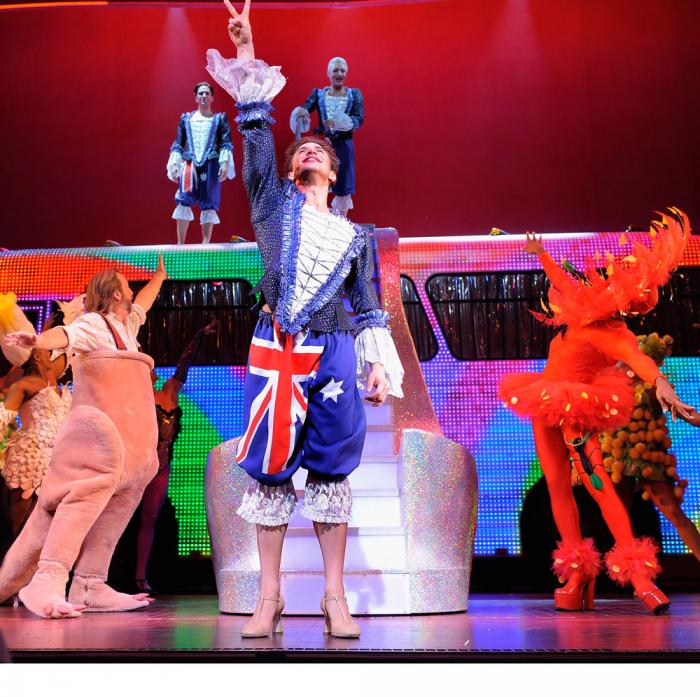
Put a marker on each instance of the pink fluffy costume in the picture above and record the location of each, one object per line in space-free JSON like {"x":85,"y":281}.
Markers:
{"x":103,"y":458}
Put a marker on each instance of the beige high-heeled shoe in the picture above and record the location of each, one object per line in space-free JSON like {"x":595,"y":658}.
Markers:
{"x":345,"y":628}
{"x":256,"y":628}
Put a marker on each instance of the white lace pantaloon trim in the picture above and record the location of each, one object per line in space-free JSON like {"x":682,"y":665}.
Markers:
{"x":183,"y":213}
{"x":324,"y":502}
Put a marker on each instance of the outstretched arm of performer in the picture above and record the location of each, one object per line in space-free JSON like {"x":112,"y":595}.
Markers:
{"x":556,"y":275}
{"x":174,"y":384}
{"x":621,"y":345}
{"x":148,"y":294}
{"x":55,"y":338}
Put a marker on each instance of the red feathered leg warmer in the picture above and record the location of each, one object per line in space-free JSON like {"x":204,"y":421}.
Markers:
{"x":579,"y":557}
{"x":633,"y":563}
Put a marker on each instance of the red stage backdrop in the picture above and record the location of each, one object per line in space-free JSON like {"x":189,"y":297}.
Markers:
{"x":548,"y":114}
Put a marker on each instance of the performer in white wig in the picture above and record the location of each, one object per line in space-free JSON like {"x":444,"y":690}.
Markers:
{"x":341,"y":111}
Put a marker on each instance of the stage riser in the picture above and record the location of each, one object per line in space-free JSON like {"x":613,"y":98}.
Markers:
{"x":379,"y":443}
{"x":379,"y":416}
{"x":367,"y":594}
{"x":383,"y":552}
{"x":375,"y":473}
{"x":367,"y":511}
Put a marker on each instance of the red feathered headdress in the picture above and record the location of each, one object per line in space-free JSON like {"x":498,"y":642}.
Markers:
{"x":630,"y":284}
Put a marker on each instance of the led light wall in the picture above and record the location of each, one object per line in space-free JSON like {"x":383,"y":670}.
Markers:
{"x":463,"y":392}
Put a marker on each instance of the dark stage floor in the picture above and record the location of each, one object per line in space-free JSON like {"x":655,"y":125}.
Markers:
{"x":496,"y":628}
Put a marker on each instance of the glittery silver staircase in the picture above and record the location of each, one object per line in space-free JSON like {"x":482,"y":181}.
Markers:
{"x":410,"y":540}
{"x":376,"y":579}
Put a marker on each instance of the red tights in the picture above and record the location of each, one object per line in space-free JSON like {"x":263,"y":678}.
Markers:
{"x":554,"y":454}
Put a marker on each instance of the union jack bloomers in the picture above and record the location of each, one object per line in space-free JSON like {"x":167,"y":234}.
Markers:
{"x":302,"y":409}
{"x":302,"y":405}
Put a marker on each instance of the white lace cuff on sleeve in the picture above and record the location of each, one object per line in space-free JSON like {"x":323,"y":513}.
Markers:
{"x":246,"y":81}
{"x":375,"y":345}
{"x":343,"y":122}
{"x":175,"y":160}
{"x":299,"y":120}
{"x":226,"y":158}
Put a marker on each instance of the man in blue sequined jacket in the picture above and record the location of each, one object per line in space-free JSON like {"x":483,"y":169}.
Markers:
{"x":302,"y":405}
{"x":201,"y":158}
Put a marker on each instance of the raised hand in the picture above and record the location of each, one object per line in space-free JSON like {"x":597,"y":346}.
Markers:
{"x":210,"y":328}
{"x":533,"y":244}
{"x":161,"y":267}
{"x":239,"y":28}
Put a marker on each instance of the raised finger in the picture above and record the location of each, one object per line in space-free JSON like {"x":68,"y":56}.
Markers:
{"x":246,"y":9}
{"x":231,"y":9}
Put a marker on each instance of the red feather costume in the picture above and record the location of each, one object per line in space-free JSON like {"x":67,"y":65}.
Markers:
{"x":580,"y":392}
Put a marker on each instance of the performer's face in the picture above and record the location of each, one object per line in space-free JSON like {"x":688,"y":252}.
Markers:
{"x":338,"y":74}
{"x":126,"y":296}
{"x":204,"y":96}
{"x":42,"y":358}
{"x":311,"y":158}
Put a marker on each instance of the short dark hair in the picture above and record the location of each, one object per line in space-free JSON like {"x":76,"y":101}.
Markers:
{"x":30,"y":366}
{"x":293,"y":147}
{"x":205,"y":84}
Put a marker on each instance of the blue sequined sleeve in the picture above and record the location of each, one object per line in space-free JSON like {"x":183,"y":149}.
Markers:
{"x":181,"y":136}
{"x":360,"y":290}
{"x":357,"y":113}
{"x":225,"y":134}
{"x":260,"y":176}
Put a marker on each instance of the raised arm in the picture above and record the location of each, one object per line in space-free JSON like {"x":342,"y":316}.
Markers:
{"x":252,"y":84}
{"x":55,"y":338}
{"x":174,"y":384}
{"x":148,"y":294}
{"x":240,"y":31}
{"x":556,"y":275}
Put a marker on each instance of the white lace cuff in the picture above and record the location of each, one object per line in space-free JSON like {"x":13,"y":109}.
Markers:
{"x":299,"y":120}
{"x":343,"y":122}
{"x":246,"y":81}
{"x":342,"y":203}
{"x":226,"y":158}
{"x":327,"y":502}
{"x":183,"y":213}
{"x":175,"y":160}
{"x":375,"y":345}
{"x":209,"y":216}
{"x":268,"y":505}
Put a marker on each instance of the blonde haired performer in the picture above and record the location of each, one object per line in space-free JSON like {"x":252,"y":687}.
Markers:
{"x":341,"y":111}
{"x":104,"y":455}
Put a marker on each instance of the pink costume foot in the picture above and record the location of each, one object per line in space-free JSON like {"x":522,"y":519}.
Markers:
{"x":97,"y":596}
{"x":45,"y":595}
